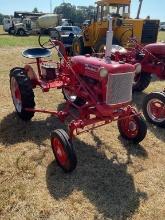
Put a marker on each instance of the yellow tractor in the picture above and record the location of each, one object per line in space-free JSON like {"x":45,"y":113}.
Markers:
{"x":94,"y":34}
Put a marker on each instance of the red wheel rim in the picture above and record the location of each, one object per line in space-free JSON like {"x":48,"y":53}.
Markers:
{"x":156,"y":110}
{"x":16,"y":94}
{"x":130,"y":127}
{"x":60,"y":152}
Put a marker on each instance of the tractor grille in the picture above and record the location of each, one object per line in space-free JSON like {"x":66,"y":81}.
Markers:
{"x":119,"y":88}
{"x":150,"y":31}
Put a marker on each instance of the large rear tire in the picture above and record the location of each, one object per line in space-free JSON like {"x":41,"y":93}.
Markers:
{"x":141,"y":81}
{"x":78,"y":47}
{"x":22,"y":93}
{"x":63,"y":150}
{"x":154,"y":108}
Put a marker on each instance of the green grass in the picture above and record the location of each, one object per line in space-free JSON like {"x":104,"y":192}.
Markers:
{"x":161,"y":36}
{"x":12,"y":41}
{"x":7,"y":40}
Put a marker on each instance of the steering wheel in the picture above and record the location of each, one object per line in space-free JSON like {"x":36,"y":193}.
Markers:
{"x":46,"y":36}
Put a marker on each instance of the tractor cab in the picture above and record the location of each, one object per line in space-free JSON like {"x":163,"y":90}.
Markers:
{"x":119,"y":8}
{"x":124,"y":27}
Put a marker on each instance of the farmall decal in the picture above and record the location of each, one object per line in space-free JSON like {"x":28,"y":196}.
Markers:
{"x":91,"y":67}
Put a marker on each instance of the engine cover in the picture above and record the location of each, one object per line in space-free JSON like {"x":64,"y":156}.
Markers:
{"x":90,"y":66}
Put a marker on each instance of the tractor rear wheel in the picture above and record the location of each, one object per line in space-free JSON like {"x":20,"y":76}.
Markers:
{"x":22,"y":93}
{"x":133,"y":129}
{"x":78,"y":47}
{"x":63,"y":150}
{"x":141,"y":81}
{"x":154,"y":108}
{"x":71,"y":96}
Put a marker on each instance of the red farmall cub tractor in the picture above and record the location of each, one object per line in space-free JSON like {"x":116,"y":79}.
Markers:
{"x":98,"y":89}
{"x":150,"y":59}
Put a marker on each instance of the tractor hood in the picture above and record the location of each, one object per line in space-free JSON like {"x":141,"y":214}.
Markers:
{"x":93,"y":64}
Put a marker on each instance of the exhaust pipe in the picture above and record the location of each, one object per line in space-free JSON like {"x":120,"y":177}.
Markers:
{"x":109,"y":37}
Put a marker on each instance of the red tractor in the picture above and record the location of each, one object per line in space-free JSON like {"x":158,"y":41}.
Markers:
{"x":150,"y":58}
{"x":154,"y":108}
{"x":99,"y":91}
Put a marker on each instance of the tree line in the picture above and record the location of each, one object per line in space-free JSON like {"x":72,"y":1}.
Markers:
{"x":76,"y":14}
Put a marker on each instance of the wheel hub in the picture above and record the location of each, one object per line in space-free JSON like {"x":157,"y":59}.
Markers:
{"x":60,"y":153}
{"x":132,"y":126}
{"x":156,"y":110}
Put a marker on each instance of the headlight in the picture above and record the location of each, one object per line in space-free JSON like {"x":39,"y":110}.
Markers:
{"x":103,"y":72}
{"x":138,"y":68}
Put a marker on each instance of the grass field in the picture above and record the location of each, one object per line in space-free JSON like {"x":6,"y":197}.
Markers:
{"x":113,"y":180}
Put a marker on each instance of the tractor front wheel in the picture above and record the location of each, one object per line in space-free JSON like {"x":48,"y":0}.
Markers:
{"x":22,"y":93}
{"x":133,"y":128}
{"x":154,"y":108}
{"x":63,"y":150}
{"x":141,"y":81}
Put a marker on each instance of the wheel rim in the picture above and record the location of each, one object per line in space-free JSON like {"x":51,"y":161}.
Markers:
{"x":130,"y":127}
{"x":76,"y":48}
{"x":70,"y":95}
{"x":16,"y":94}
{"x":156,"y":110}
{"x":61,"y":155}
{"x":21,"y":33}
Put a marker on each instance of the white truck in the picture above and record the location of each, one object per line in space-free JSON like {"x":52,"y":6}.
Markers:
{"x":8,"y":24}
{"x":30,"y":24}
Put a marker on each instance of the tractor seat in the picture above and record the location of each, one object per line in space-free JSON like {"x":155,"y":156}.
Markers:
{"x":158,"y":49}
{"x":36,"y":53}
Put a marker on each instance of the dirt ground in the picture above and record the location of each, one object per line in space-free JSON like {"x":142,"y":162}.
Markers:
{"x":113,"y":179}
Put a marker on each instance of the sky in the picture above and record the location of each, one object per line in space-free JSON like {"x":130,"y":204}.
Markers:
{"x":154,"y":8}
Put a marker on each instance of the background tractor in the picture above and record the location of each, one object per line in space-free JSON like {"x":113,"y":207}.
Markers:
{"x":94,"y":34}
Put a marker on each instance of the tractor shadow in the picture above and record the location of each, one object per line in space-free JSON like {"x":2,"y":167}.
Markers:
{"x":138,"y":98}
{"x":105,"y":182}
{"x":14,"y":130}
{"x":132,"y":149}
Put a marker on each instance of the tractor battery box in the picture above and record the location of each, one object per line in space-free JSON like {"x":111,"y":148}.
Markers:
{"x":48,"y":71}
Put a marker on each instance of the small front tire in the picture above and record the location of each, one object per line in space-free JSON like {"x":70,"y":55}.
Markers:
{"x":63,"y":150}
{"x":141,"y":81}
{"x":133,"y":129}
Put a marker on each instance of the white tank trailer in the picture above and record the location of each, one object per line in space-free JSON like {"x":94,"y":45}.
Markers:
{"x":32,"y":25}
